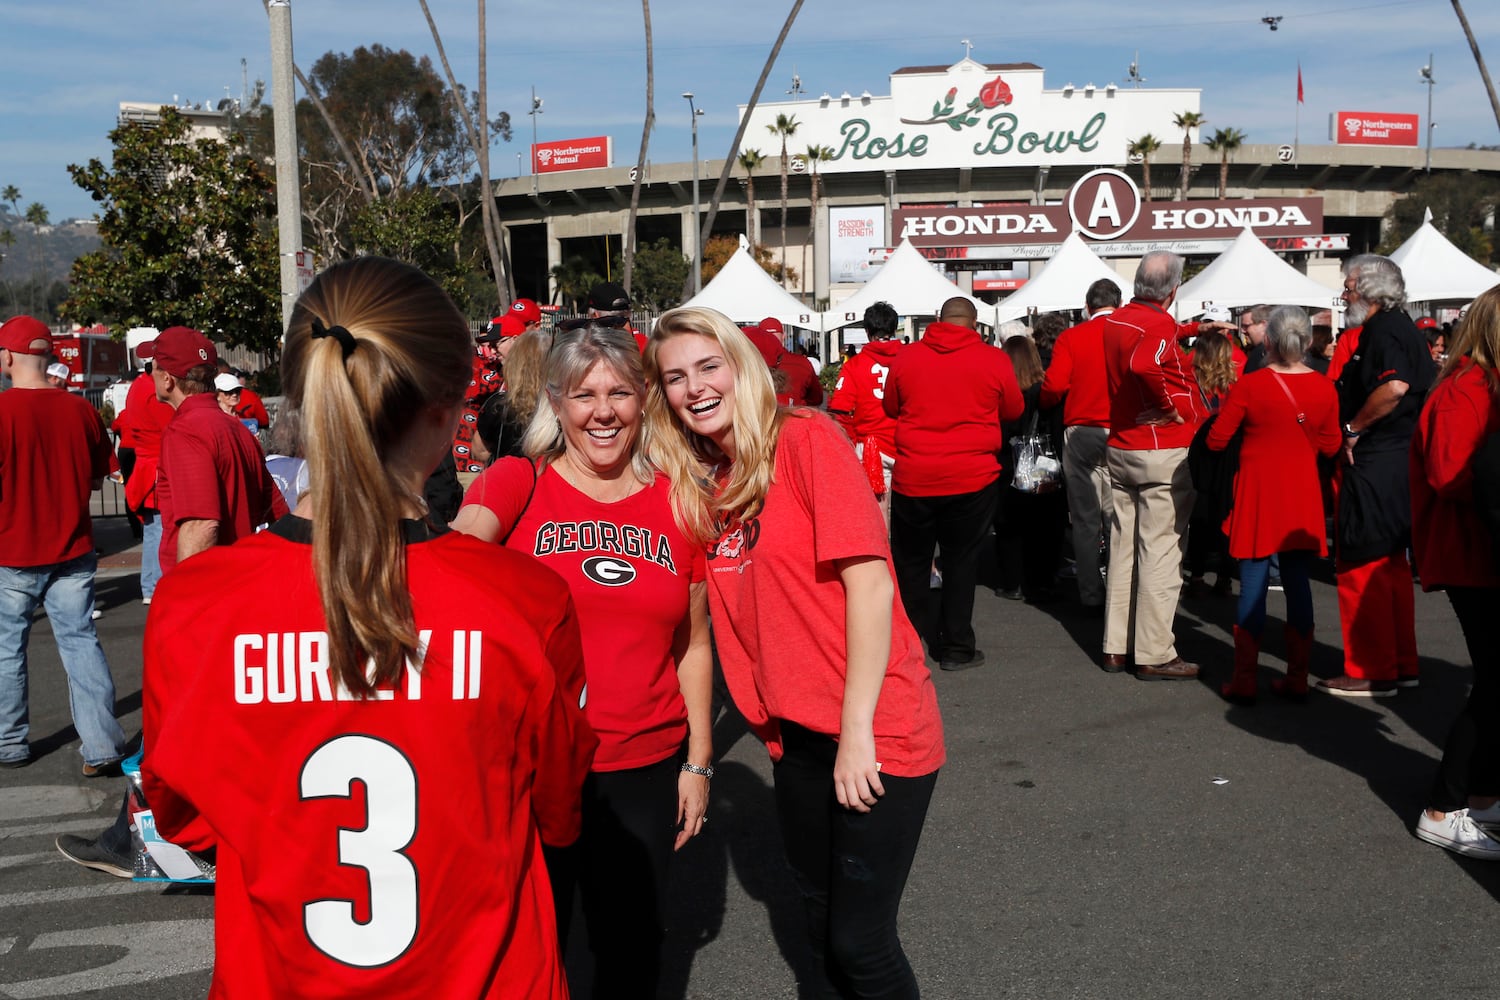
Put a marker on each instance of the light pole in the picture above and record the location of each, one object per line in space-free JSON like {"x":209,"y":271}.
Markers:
{"x":1427,"y":79}
{"x":694,"y":112}
{"x":288,"y":190}
{"x":536,"y":109}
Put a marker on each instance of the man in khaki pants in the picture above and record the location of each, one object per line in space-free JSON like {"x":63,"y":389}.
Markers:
{"x":1154,"y":411}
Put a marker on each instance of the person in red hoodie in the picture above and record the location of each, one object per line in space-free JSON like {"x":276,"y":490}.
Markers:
{"x":858,"y":401}
{"x":949,"y":393}
{"x":1154,"y":411}
{"x":1455,"y":552}
{"x":1076,"y":379}
{"x":801,"y":379}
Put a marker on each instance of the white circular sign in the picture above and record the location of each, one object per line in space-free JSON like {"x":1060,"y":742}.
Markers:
{"x":1285,"y":154}
{"x":1104,"y":204}
{"x":1135,"y":158}
{"x":634,"y":173}
{"x":799,"y":165}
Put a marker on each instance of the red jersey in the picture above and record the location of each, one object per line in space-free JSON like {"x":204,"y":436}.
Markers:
{"x":1278,"y":496}
{"x":1343,"y":350}
{"x":485,"y":382}
{"x":949,"y":393}
{"x":145,"y":418}
{"x":629,"y":569}
{"x":1148,"y":375}
{"x":802,"y":383}
{"x":251,"y":408}
{"x":779,"y":606}
{"x":858,"y":401}
{"x":383,"y":847}
{"x":52,"y":448}
{"x":1449,"y":538}
{"x":212,"y":469}
{"x":1076,"y":375}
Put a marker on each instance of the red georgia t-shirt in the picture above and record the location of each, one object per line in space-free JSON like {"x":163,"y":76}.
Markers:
{"x":778,"y":604}
{"x":630,"y":569}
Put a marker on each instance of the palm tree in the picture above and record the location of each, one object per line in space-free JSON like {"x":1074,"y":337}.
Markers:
{"x":739,"y":135}
{"x":1484,"y":72}
{"x":750,"y":160}
{"x":12,"y":194}
{"x":1145,"y":147}
{"x":1187,"y":121}
{"x":1224,"y":141}
{"x":640,"y":163}
{"x":785,"y":126}
{"x":815,"y":154}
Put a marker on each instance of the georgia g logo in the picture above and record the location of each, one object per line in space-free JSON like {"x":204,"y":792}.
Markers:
{"x":607,"y":571}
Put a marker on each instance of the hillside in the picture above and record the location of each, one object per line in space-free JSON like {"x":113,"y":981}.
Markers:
{"x":46,"y":252}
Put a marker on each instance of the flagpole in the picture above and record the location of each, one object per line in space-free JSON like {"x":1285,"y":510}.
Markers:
{"x":1297,"y":128}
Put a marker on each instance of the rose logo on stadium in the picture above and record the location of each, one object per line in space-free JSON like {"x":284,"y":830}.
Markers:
{"x":608,"y":571}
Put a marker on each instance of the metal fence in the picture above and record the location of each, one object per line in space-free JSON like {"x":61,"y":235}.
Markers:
{"x":108,"y":500}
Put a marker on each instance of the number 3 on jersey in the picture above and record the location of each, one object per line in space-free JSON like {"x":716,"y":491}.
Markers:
{"x":880,"y":372}
{"x":391,"y":804}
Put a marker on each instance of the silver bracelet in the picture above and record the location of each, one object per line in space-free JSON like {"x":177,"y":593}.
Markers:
{"x":707,"y":772}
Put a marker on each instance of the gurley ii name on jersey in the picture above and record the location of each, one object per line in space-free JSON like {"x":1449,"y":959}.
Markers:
{"x":282,"y":667}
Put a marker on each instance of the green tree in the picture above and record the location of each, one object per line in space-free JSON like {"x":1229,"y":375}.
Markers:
{"x":1225,"y":141}
{"x":659,"y":271}
{"x":1187,"y":121}
{"x":12,"y":194}
{"x":784,"y":127}
{"x":750,"y":161}
{"x":414,"y":227}
{"x":1144,"y":147}
{"x":187,"y":227}
{"x":1461,"y":204}
{"x":815,"y":155}
{"x":571,"y":281}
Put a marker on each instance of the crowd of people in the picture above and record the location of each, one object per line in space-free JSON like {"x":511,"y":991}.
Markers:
{"x":503,"y":635}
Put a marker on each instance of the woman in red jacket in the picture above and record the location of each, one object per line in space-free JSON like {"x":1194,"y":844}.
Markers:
{"x":1290,"y":416}
{"x":1455,"y":552}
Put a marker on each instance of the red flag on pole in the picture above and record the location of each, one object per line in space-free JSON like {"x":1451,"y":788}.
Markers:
{"x":1299,"y":84}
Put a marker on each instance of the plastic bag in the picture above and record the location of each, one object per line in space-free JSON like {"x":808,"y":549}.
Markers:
{"x":1037,"y":467}
{"x":158,"y":859}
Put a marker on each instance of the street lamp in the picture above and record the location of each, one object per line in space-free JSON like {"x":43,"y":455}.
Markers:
{"x":1427,"y":79}
{"x":536,"y":109}
{"x":694,"y":112}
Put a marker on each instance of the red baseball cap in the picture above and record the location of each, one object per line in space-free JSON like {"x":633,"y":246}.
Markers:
{"x":1427,"y":323}
{"x":773,"y":326}
{"x":767,"y":343}
{"x":528,"y":311}
{"x":26,"y":335}
{"x":177,"y":350}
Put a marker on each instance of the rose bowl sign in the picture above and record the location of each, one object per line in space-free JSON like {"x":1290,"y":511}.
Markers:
{"x":1373,"y":128}
{"x":572,"y":154}
{"x":1105,"y":207}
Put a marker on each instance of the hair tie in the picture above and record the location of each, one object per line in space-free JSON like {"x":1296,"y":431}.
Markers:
{"x":344,"y":337}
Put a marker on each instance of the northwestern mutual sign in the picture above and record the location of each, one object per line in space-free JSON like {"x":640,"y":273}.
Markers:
{"x":1105,"y":206}
{"x":973,"y":115}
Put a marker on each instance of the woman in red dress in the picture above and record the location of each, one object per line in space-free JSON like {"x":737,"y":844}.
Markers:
{"x":1290,"y":416}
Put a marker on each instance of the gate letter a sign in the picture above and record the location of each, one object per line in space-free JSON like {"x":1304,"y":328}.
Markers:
{"x":1104,"y":209}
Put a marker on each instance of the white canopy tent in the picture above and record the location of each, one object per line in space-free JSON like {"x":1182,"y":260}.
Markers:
{"x":1437,"y":271}
{"x":912,"y":286}
{"x":1063,"y":283}
{"x":1247,"y":274}
{"x":744,"y":292}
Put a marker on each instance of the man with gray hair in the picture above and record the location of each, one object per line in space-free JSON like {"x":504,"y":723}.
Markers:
{"x":1381,"y":391}
{"x":1154,"y":411}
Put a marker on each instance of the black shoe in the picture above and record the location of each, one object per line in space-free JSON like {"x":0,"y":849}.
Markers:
{"x":91,"y":854}
{"x":974,"y":661}
{"x":1009,"y":595}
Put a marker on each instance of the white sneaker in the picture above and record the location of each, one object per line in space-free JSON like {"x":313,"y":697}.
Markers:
{"x":96,"y":614}
{"x":1458,"y":833}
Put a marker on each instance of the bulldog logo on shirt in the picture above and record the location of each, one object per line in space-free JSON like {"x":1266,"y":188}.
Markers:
{"x":737,"y":542}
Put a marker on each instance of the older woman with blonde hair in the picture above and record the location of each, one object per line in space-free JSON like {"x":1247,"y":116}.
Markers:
{"x":588,"y":504}
{"x":1453,"y":538}
{"x":816,"y":649}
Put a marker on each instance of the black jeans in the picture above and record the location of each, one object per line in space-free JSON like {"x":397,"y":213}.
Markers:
{"x":957,"y":525}
{"x":850,"y":867}
{"x":1471,"y":757}
{"x":620,"y":863}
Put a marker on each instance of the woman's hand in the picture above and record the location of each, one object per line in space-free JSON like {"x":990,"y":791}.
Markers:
{"x":692,"y":806}
{"x":856,"y":773}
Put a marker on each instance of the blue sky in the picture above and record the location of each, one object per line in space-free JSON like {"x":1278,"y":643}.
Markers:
{"x":67,"y":64}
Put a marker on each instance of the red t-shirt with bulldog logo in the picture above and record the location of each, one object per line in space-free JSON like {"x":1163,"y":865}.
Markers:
{"x":630,"y":569}
{"x":778,"y":605}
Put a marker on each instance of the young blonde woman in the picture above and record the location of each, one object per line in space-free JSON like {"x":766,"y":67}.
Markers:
{"x":398,"y":703}
{"x":816,"y":649}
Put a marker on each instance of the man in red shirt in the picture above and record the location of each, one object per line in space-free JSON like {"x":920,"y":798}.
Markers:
{"x":949,"y":392}
{"x":145,"y":418}
{"x":53,"y":453}
{"x":1153,"y":414}
{"x":858,"y":402}
{"x":212,"y":483}
{"x":1076,"y":378}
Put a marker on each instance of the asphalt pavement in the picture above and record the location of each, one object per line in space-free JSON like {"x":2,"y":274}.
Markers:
{"x":1091,"y":835}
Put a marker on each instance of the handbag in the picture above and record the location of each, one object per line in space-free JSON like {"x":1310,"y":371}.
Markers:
{"x":1037,"y":467}
{"x":874,"y":465}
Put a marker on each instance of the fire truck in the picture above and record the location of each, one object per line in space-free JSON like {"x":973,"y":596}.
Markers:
{"x":92,"y":358}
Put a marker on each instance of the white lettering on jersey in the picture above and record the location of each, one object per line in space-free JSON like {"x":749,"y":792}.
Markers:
{"x":283,"y":667}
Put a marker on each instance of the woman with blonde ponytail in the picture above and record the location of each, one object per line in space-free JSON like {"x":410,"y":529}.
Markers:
{"x":398,"y":705}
